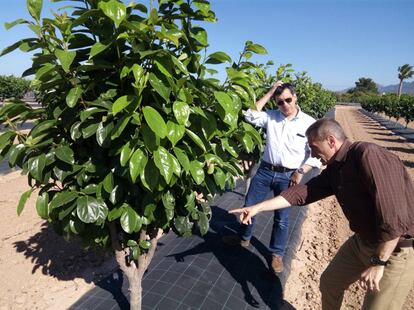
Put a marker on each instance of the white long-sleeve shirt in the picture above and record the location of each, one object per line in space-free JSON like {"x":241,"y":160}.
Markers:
{"x":286,"y":142}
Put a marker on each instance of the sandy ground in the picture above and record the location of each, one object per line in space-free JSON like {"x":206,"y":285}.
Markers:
{"x":39,"y":269}
{"x":325,"y":227}
{"x":36,"y":276}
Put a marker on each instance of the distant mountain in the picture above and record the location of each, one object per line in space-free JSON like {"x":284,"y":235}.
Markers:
{"x":408,"y":88}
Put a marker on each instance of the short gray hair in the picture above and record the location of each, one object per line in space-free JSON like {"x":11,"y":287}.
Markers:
{"x":325,"y":127}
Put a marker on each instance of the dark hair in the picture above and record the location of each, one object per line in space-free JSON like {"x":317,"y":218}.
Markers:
{"x":324,"y":127}
{"x":284,"y":86}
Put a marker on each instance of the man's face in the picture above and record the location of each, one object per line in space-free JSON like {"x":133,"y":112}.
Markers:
{"x":286,"y":102}
{"x":324,"y":149}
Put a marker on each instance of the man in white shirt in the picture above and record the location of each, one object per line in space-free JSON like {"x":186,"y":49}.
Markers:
{"x":285,"y":160}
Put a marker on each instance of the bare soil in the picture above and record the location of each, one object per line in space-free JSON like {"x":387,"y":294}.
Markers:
{"x":325,"y":228}
{"x":40,"y":270}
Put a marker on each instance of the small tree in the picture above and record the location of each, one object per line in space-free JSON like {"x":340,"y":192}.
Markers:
{"x":404,"y":72}
{"x":130,"y":129}
{"x":13,"y":87}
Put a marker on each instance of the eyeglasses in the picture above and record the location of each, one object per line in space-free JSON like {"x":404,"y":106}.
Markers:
{"x":282,"y":101}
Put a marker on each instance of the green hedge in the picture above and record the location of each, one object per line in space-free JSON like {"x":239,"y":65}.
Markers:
{"x":13,"y":87}
{"x":391,"y":105}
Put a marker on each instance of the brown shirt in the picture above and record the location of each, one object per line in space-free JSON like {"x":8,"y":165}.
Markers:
{"x":372,"y":186}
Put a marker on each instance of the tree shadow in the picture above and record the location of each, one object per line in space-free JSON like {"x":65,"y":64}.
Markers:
{"x":408,"y":163}
{"x":397,"y":140}
{"x":401,"y":149}
{"x":242,"y":264}
{"x":54,"y":256}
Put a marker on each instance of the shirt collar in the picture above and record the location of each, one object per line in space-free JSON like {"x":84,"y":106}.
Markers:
{"x":297,"y":116}
{"x":342,"y":153}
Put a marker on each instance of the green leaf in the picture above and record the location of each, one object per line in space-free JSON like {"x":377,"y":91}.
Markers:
{"x":125,"y":154}
{"x":163,"y":69}
{"x":256,"y":48}
{"x":144,"y":244}
{"x":108,"y":183}
{"x":130,"y":220}
{"x":114,"y":10}
{"x":197,"y":172}
{"x":120,"y":126}
{"x":178,"y":64}
{"x":155,"y":121}
{"x":175,"y":132}
{"x":65,"y":153}
{"x":196,"y":139}
{"x":248,"y":143}
{"x":181,"y":112}
{"x":182,"y":158}
{"x":203,"y":223}
{"x":224,"y":100}
{"x":121,"y":103}
{"x":159,"y":86}
{"x":218,"y":58}
{"x":164,"y":163}
{"x":36,"y":166}
{"x":23,"y":200}
{"x":116,"y":212}
{"x":76,"y":226}
{"x":97,"y":48}
{"x":103,"y":134}
{"x":62,"y":198}
{"x":14,"y":23}
{"x":200,"y":35}
{"x":42,"y":126}
{"x":220,"y":178}
{"x":42,"y":203}
{"x":16,"y":154}
{"x":151,"y":140}
{"x":176,"y":165}
{"x":65,"y":58}
{"x":150,"y":176}
{"x":183,"y":225}
{"x":6,"y":139}
{"x":137,"y":164}
{"x":73,"y":96}
{"x":90,"y":210}
{"x":75,"y":132}
{"x":35,"y":8}
{"x":230,"y":147}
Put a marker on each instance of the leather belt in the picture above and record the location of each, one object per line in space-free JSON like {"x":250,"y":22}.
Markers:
{"x":276,"y":168}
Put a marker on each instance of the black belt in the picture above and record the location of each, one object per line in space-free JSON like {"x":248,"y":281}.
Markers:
{"x":276,"y":168}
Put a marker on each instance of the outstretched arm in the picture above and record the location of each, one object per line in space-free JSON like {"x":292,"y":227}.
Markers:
{"x":275,"y":203}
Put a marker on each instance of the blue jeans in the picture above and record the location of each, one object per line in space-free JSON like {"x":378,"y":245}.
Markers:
{"x":264,"y":181}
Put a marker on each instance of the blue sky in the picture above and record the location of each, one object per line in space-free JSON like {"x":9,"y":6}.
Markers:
{"x":334,"y":41}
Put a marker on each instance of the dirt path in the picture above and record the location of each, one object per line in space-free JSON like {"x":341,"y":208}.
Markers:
{"x":325,"y":228}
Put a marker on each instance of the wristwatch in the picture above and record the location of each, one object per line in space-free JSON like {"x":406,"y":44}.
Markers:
{"x":300,"y":171}
{"x":376,"y":261}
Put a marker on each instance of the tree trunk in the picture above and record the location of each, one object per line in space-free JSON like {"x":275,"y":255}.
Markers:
{"x":135,"y":290}
{"x":134,"y":269}
{"x":400,"y":88}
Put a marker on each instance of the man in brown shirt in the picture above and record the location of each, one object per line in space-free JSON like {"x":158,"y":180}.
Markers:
{"x":377,"y":197}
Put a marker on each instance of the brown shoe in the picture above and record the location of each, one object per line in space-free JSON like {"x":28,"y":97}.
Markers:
{"x":234,"y":240}
{"x":277,"y":263}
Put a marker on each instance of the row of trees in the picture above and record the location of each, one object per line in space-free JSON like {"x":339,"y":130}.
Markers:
{"x":133,"y":129}
{"x":13,"y":87}
{"x":391,"y":105}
